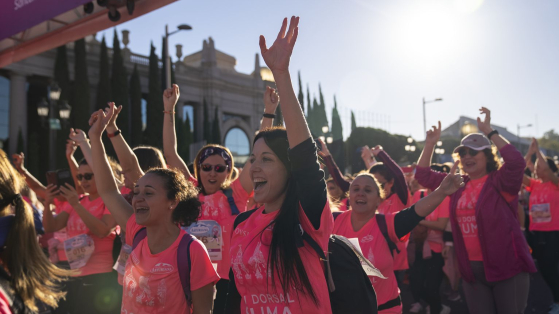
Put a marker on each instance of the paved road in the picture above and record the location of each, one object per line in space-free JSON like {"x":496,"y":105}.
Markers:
{"x":538,"y":300}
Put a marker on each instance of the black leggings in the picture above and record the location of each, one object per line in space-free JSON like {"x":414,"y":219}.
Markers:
{"x":425,"y":279}
{"x":221,"y":296}
{"x":545,"y":246}
{"x":98,"y":293}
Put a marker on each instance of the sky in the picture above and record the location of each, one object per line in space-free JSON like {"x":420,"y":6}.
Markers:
{"x":380,"y":58}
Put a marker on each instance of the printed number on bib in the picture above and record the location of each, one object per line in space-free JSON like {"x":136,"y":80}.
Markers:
{"x":78,"y":250}
{"x":120,"y":265}
{"x":540,"y":213}
{"x":209,"y":232}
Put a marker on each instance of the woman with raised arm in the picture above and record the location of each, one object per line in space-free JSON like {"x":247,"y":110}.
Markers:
{"x":222,"y":197}
{"x":91,"y":233}
{"x":544,"y":219}
{"x":27,"y":277}
{"x":268,"y":255}
{"x":393,"y":182}
{"x":364,"y":223}
{"x":492,"y":254}
{"x":163,"y":201}
{"x":337,"y":185}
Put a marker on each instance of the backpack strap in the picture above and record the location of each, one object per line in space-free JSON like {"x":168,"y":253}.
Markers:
{"x":184,"y":263}
{"x":381,"y":222}
{"x":231,"y":200}
{"x":139,"y":236}
{"x":242,"y":217}
{"x":336,"y":214}
{"x":327,"y":271}
{"x":422,"y":194}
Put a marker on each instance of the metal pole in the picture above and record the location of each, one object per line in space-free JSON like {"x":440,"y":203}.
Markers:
{"x":167,"y":62}
{"x":424,"y":119}
{"x":52,"y":138}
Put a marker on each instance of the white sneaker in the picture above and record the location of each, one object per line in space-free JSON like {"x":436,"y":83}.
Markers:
{"x":416,"y":307}
{"x":445,"y":310}
{"x":554,"y":309}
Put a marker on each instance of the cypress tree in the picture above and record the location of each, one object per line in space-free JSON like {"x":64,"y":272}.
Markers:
{"x":322,"y":119}
{"x":353,"y":123}
{"x":300,"y":96}
{"x":189,"y":139}
{"x":337,"y":131}
{"x":163,"y":69}
{"x":119,"y":88}
{"x":80,"y":105}
{"x":153,"y":133}
{"x":135,"y":108}
{"x":309,"y":109}
{"x":62,"y":78}
{"x":317,"y":127}
{"x":207,"y":126}
{"x":278,"y":120}
{"x":104,"y":85}
{"x":216,"y":131}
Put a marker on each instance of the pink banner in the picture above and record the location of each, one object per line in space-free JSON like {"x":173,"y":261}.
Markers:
{"x":19,"y":15}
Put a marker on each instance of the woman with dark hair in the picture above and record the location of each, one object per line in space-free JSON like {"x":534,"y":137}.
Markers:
{"x":492,"y":254}
{"x":163,"y":201}
{"x":27,"y":277}
{"x":272,"y":269}
{"x":89,"y":248}
{"x":393,"y":182}
{"x":222,"y":197}
{"x":426,"y":273}
{"x":544,"y":219}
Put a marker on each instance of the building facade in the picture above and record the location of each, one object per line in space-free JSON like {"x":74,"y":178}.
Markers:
{"x":208,"y":74}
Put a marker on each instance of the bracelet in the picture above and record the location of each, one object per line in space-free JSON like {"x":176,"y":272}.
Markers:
{"x":269,"y":115}
{"x":169,"y":112}
{"x":116,"y":133}
{"x":491,"y":134}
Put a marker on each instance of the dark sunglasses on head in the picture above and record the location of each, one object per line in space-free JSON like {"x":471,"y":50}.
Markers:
{"x":217,"y":168}
{"x":472,"y":152}
{"x":87,"y":176}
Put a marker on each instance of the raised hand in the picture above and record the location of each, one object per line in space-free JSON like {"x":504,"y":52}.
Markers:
{"x":170,"y":97}
{"x":99,"y":121}
{"x":376,"y":150}
{"x":366,"y":153}
{"x":70,"y":148}
{"x":278,"y":55}
{"x":433,"y":135}
{"x":70,"y":194}
{"x":18,"y":160}
{"x":111,"y":127}
{"x":271,"y":100}
{"x":452,"y":182}
{"x":485,"y":125}
{"x":77,"y":136}
{"x":324,"y":152}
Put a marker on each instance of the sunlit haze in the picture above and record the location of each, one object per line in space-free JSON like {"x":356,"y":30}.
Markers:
{"x":380,"y":58}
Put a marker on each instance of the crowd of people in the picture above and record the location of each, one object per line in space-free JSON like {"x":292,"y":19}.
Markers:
{"x":152,"y":233}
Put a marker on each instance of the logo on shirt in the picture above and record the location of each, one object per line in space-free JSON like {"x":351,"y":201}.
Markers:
{"x":162,"y":268}
{"x":367,"y":238}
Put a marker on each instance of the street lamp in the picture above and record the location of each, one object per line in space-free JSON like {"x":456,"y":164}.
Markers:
{"x":325,"y":129}
{"x":424,"y":119}
{"x":518,"y":127}
{"x":48,"y":109}
{"x":410,"y":140}
{"x":167,"y":61}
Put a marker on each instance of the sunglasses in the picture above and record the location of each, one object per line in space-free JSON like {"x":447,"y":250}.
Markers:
{"x":87,"y":176}
{"x":217,"y":168}
{"x":472,"y":152}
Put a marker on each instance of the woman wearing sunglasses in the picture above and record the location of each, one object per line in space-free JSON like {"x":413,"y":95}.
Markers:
{"x":493,"y":256}
{"x":213,"y":175}
{"x":91,"y":233}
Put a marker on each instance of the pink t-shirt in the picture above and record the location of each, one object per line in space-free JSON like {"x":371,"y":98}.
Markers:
{"x":4,"y":304}
{"x":393,"y":204}
{"x":61,"y":235}
{"x":249,"y":262}
{"x":544,"y":206}
{"x":466,"y":217}
{"x":375,"y":249}
{"x":151,"y":281}
{"x":442,"y":211}
{"x":216,"y":207}
{"x":101,"y":261}
{"x":344,"y":205}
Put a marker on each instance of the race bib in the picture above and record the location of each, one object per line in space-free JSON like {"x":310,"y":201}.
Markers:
{"x":540,"y":213}
{"x":209,"y":232}
{"x":78,"y":250}
{"x":368,"y":267}
{"x":120,"y":265}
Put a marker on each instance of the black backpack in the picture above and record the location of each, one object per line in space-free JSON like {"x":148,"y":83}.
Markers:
{"x":350,"y":289}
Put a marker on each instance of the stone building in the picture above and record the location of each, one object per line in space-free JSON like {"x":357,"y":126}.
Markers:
{"x":207,"y":74}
